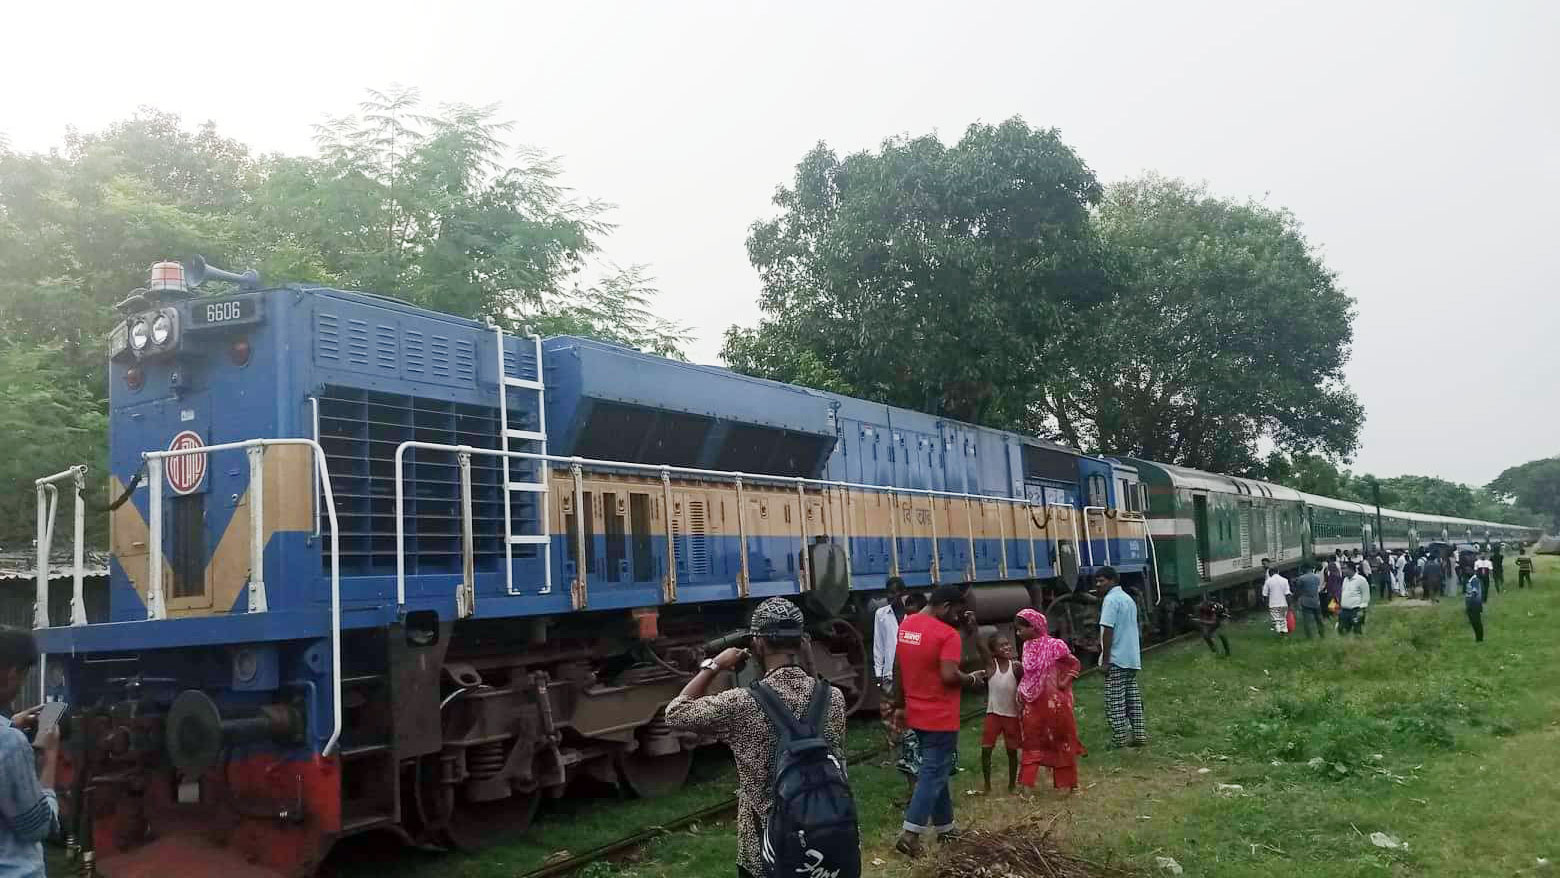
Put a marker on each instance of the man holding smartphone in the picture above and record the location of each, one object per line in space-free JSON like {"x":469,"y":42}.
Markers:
{"x":29,"y":811}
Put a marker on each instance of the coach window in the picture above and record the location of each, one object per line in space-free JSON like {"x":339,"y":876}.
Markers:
{"x":1097,"y":490}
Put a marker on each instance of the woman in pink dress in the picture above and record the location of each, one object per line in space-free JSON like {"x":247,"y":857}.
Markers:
{"x":1046,"y":696}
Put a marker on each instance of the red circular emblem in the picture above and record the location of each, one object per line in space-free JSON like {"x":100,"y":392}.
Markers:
{"x":186,"y":470}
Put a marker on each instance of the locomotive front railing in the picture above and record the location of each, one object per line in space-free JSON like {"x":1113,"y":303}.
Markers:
{"x":739,"y":479}
{"x":48,"y":506}
{"x":156,"y":605}
{"x":1148,"y":537}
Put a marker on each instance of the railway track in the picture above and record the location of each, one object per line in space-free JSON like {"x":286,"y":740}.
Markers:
{"x":575,"y":862}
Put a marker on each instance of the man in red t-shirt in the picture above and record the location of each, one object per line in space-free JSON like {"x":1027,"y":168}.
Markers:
{"x":926,"y":698}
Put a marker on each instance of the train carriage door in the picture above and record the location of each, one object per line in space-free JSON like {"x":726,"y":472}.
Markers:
{"x":1243,"y":516}
{"x":1275,"y":534}
{"x":1200,"y":525}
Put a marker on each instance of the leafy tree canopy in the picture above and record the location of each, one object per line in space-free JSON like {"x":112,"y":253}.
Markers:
{"x":1535,"y":485}
{"x":997,"y":281}
{"x":1223,"y":327}
{"x":431,"y":206}
{"x":940,"y":278}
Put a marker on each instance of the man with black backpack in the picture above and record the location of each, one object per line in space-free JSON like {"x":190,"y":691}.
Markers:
{"x":795,"y":812}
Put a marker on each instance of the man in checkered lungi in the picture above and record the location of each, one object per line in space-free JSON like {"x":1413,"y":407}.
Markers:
{"x":1121,"y":659}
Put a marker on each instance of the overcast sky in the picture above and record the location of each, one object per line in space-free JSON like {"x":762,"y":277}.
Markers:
{"x":1417,"y":142}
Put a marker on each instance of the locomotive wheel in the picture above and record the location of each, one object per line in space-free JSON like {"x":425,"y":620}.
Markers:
{"x":653,"y":776}
{"x":1070,"y":619}
{"x":478,"y":825}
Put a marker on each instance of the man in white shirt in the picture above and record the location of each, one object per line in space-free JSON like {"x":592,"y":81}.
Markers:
{"x":1276,"y":590}
{"x":1399,"y":561}
{"x":1485,"y":568}
{"x":1353,"y":602}
{"x":885,"y":633}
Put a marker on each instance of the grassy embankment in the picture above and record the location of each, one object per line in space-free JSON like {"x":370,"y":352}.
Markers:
{"x":1450,"y":746}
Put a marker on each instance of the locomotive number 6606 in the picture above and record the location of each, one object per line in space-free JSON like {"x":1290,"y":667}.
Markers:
{"x":228,"y":311}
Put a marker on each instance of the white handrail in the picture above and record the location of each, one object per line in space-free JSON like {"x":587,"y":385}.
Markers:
{"x":48,"y":508}
{"x":314,"y":405}
{"x":1153,"y":558}
{"x":503,"y":440}
{"x":257,"y":597}
{"x":725,"y":475}
{"x":1072,"y":524}
{"x":1089,"y":540}
{"x":154,"y":466}
{"x":546,"y":498}
{"x":48,"y":504}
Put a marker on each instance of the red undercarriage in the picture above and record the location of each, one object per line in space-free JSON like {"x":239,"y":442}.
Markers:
{"x":259,"y":817}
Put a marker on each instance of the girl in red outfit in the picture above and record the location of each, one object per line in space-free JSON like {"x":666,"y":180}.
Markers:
{"x":1046,"y":697}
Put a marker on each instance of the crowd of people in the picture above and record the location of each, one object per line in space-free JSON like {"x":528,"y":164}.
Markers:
{"x":1343,"y":587}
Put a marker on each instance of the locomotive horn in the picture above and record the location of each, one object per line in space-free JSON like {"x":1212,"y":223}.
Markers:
{"x":196,"y":272}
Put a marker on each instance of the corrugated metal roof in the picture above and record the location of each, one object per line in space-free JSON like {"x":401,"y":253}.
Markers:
{"x":24,"y":565}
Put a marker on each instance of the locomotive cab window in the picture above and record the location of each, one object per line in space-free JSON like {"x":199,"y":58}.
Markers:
{"x":1128,"y":498}
{"x":1097,"y":490}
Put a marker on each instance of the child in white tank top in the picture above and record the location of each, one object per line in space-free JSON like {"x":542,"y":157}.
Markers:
{"x":1002,"y":713}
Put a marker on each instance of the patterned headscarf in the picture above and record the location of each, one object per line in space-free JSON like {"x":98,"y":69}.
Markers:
{"x":1041,"y":653}
{"x":777,"y":617}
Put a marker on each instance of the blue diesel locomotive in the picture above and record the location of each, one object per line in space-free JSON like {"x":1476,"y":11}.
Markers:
{"x":380,"y":568}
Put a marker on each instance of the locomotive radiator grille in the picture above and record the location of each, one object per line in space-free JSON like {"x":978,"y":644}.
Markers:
{"x":360,"y":431}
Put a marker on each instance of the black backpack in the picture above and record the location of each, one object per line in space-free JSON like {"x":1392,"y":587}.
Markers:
{"x":811,"y":831}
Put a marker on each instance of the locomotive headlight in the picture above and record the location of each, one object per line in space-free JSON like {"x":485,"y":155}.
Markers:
{"x":162,"y":329}
{"x":140,"y":335}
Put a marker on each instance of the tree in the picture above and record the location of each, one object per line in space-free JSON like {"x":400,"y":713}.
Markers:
{"x":1223,"y":327}
{"x":46,"y":429}
{"x":79,"y":226}
{"x":1534,"y":485}
{"x":1311,"y":473}
{"x":430,"y":207}
{"x":426,"y":206}
{"x":935,"y":277}
{"x":617,"y":310}
{"x":995,"y":281}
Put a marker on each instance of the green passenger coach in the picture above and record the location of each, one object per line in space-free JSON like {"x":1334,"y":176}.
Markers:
{"x":1211,"y":532}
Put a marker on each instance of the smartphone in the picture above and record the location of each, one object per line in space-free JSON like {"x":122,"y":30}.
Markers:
{"x":49,"y":717}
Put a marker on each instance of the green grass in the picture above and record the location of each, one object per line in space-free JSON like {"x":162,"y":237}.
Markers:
{"x":1414,"y":731}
